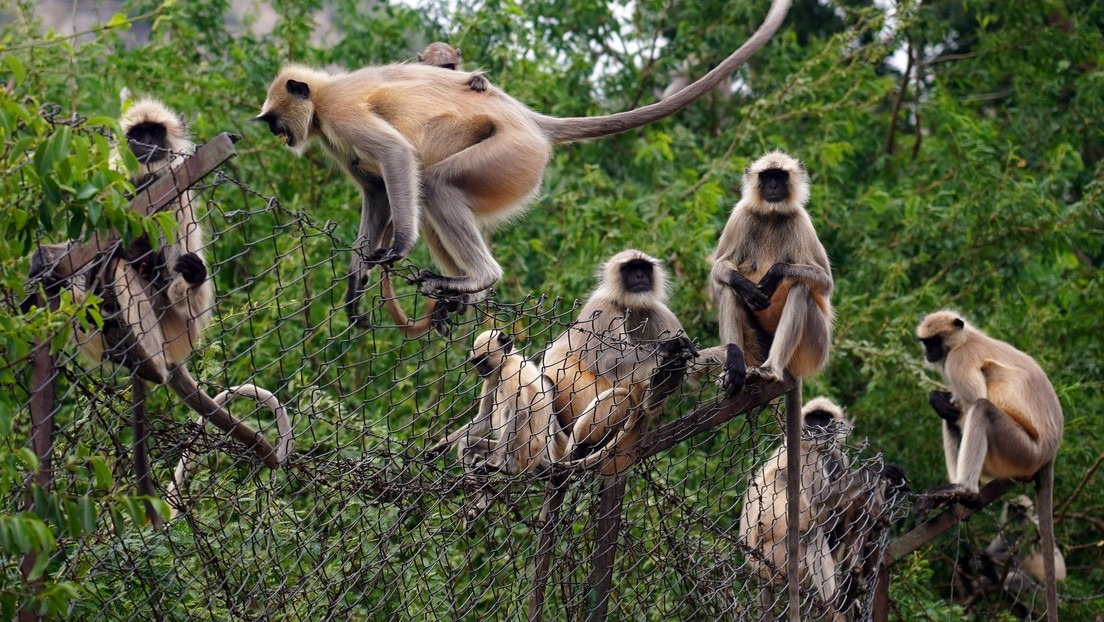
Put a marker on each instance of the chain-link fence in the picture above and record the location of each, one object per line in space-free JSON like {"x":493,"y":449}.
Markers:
{"x":364,"y":521}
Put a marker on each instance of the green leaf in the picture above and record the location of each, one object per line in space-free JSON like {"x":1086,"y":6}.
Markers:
{"x":87,"y":513}
{"x":118,"y":20}
{"x":41,"y":561}
{"x":100,"y":470}
{"x":19,"y":72}
{"x":41,"y":505}
{"x":73,"y":518}
{"x":30,"y":460}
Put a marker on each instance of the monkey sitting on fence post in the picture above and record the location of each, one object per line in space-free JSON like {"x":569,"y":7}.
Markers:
{"x":771,"y":278}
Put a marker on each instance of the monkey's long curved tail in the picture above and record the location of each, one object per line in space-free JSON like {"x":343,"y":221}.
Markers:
{"x":572,"y":129}
{"x":274,"y":458}
{"x":1044,"y":501}
{"x":409,"y":328}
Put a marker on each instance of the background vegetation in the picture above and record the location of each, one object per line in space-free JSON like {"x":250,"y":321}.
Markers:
{"x":975,"y":182}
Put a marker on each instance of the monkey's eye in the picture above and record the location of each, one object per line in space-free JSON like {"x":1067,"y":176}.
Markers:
{"x":479,"y":361}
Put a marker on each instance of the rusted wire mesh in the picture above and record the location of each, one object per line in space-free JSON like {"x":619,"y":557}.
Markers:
{"x":362,"y":522}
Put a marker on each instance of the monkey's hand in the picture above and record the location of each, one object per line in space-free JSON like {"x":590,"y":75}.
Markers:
{"x":478,"y":82}
{"x":943,"y":404}
{"x":676,"y":352}
{"x":190,"y":266}
{"x":673,"y":356}
{"x":895,"y":476}
{"x":440,"y":319}
{"x":734,"y":376}
{"x":438,"y":449}
{"x":755,"y":299}
{"x":772,"y":279}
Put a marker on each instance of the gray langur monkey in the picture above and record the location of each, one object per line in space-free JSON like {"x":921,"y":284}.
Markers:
{"x":825,"y":486}
{"x":1021,"y":511}
{"x":623,"y":356}
{"x":443,"y":55}
{"x":1012,"y":563}
{"x":1001,"y":419}
{"x":771,"y":278}
{"x":842,"y":516}
{"x":157,"y":299}
{"x":516,"y":406}
{"x":412,"y":135}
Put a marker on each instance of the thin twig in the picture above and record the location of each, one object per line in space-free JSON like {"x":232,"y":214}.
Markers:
{"x":1080,"y":486}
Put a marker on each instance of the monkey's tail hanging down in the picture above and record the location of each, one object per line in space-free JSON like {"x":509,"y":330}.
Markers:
{"x":568,"y":130}
{"x":274,"y":458}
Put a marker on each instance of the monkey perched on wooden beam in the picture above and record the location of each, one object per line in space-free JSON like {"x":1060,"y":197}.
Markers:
{"x":157,"y":296}
{"x":771,"y":278}
{"x":1001,"y":419}
{"x":618,"y":362}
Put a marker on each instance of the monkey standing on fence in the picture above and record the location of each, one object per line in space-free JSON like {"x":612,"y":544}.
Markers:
{"x":413,"y":136}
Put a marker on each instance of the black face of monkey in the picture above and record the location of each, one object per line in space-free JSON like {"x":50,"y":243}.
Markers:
{"x":774,"y":185}
{"x":147,"y":142}
{"x":819,"y":419}
{"x":485,"y":365}
{"x":276,"y":127}
{"x":934,"y":350}
{"x":482,"y":365}
{"x":636,"y":276}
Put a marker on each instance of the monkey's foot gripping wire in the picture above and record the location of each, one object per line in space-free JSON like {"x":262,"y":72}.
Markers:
{"x":188,"y":460}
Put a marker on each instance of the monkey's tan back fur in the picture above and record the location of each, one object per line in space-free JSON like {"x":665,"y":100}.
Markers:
{"x":979,"y":366}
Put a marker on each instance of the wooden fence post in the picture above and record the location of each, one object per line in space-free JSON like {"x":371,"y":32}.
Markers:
{"x":793,"y":493}
{"x":554,"y":491}
{"x":63,"y":265}
{"x":611,"y":495}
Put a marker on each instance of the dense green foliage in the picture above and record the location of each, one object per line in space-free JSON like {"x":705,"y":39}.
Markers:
{"x":978,"y":186}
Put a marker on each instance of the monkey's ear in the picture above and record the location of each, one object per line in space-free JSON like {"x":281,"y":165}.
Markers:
{"x":298,"y":89}
{"x":420,"y":57}
{"x":506,"y":343}
{"x":958,"y":323}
